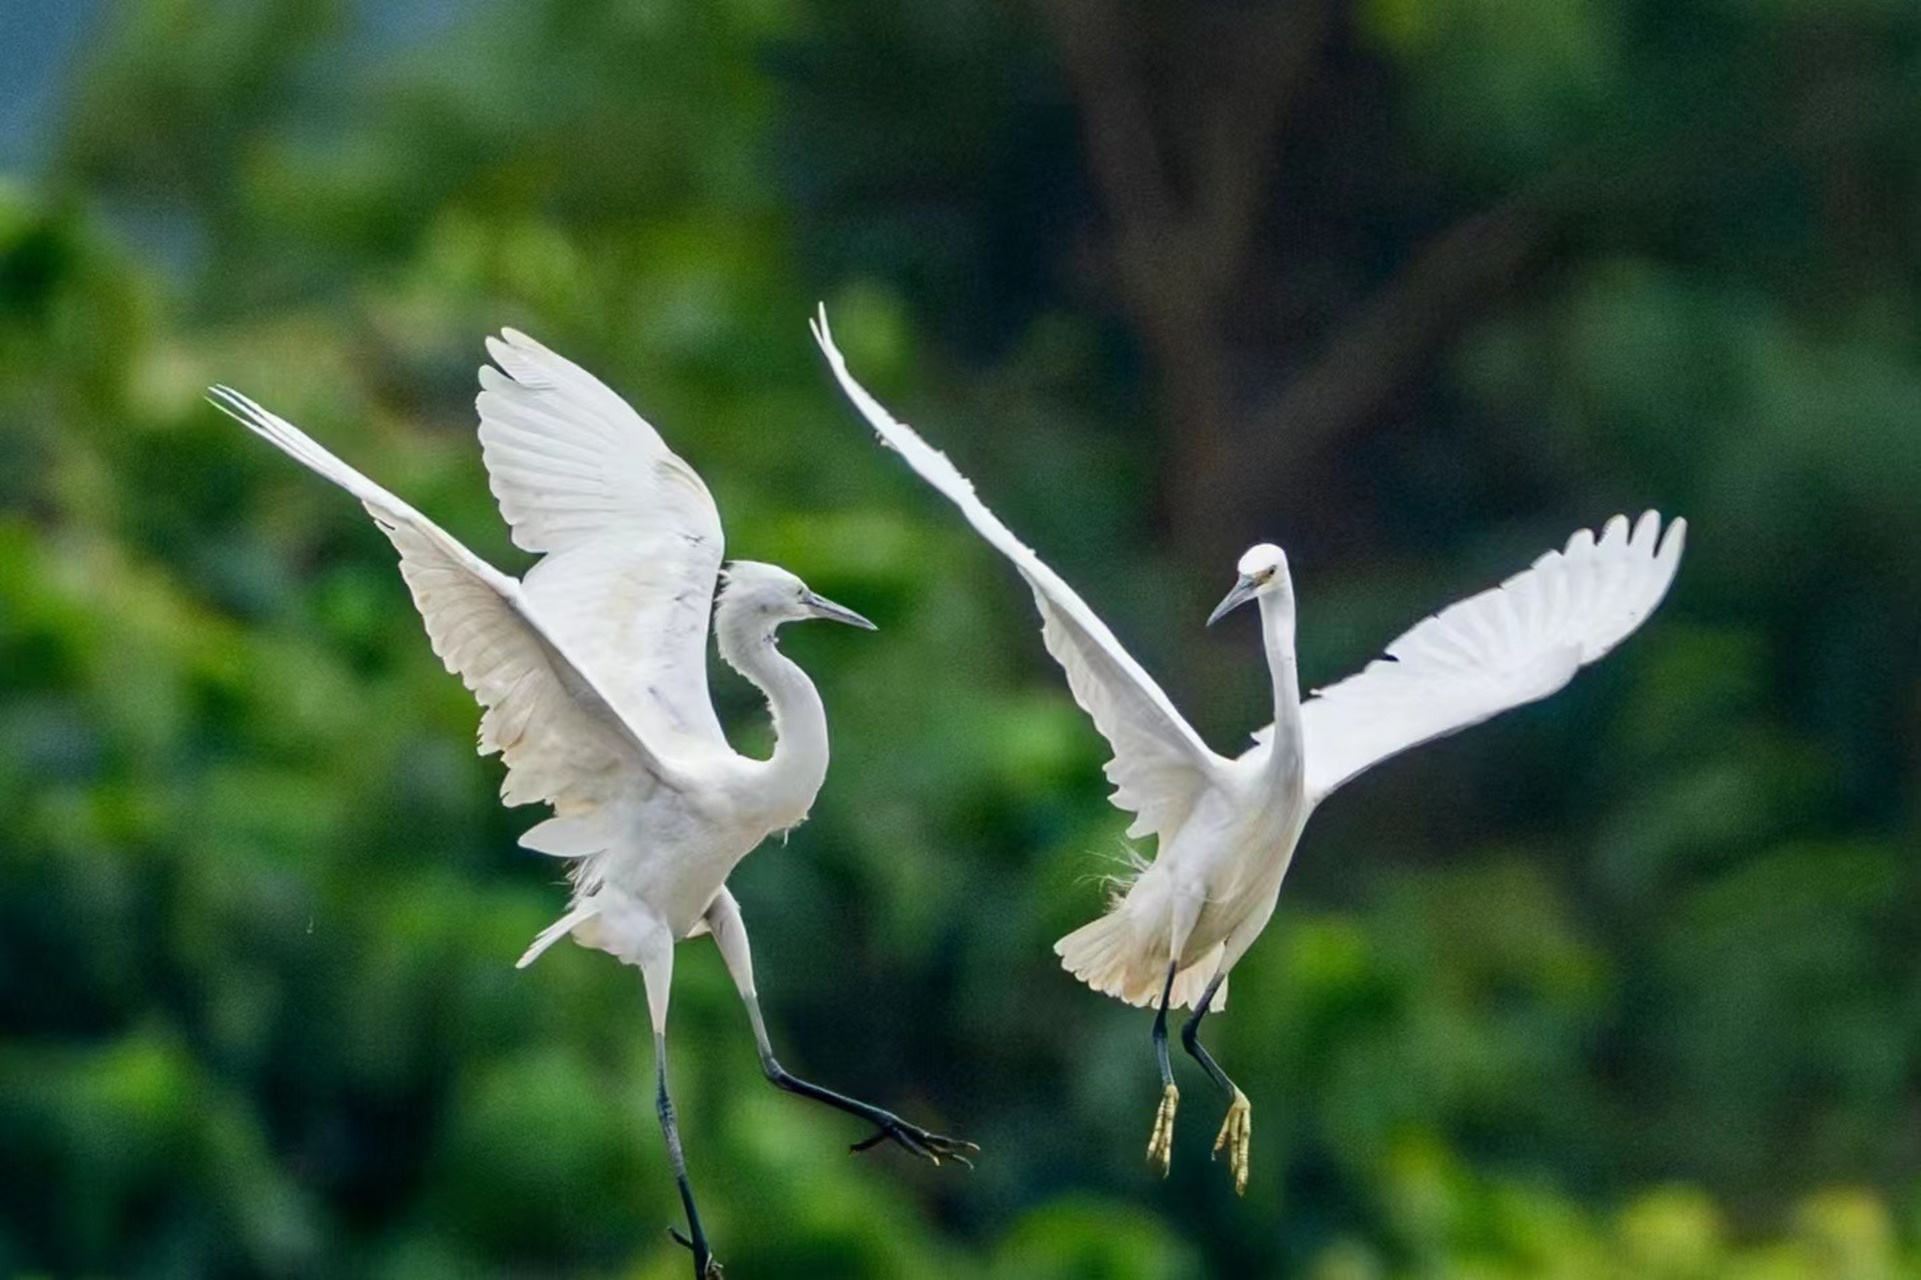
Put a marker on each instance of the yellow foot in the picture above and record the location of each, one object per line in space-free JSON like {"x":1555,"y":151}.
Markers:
{"x":1236,"y":1131}
{"x":1160,"y":1146}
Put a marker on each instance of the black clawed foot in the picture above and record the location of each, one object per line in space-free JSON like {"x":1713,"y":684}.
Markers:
{"x":706,"y":1266}
{"x":889,"y":1127}
{"x":929,"y":1146}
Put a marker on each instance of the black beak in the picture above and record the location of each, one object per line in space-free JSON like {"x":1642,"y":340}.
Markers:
{"x":1243,"y":592}
{"x":822,"y":607}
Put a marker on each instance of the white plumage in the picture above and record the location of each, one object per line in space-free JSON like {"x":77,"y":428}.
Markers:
{"x":631,"y":542}
{"x":1507,"y":646}
{"x":593,"y":675}
{"x":1227,"y":827}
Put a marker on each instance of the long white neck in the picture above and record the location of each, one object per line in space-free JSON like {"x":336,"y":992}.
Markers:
{"x":799,"y":763}
{"x":1277,"y":637}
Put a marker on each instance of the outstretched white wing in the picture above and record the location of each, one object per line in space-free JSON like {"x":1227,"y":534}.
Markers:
{"x":1160,"y":765}
{"x":551,"y":723}
{"x":631,"y":540}
{"x":1510,"y":645}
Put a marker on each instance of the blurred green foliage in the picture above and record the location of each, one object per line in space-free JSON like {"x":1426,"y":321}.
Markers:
{"x":1623,"y":985}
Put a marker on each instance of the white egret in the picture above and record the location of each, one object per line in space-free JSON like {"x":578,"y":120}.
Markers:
{"x":593,"y":674}
{"x":1226,"y":827}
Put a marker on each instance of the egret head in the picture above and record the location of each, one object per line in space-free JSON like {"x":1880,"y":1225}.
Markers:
{"x":767,"y":595}
{"x":1263,"y":571}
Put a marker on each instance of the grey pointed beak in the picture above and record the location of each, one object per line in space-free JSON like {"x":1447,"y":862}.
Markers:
{"x":824,"y":608}
{"x":1243,"y":592}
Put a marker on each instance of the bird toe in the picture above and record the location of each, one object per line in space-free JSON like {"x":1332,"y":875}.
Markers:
{"x":1235,"y":1138}
{"x":1160,"y":1143}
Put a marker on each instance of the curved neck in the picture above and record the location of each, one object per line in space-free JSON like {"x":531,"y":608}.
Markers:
{"x":799,"y":762}
{"x":1277,"y":637}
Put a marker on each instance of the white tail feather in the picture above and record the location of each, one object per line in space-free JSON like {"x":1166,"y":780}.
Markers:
{"x":559,"y":929}
{"x":1106,"y":955}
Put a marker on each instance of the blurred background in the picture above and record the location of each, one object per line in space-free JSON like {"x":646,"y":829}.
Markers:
{"x":1624,"y":985}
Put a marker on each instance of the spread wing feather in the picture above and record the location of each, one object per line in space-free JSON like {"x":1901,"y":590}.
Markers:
{"x":1508,"y":646}
{"x":630,"y":538}
{"x":1160,"y":765}
{"x":553,"y":726}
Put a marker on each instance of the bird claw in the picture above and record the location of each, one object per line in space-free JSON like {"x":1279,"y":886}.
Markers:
{"x":930,"y":1146}
{"x":1160,"y":1144}
{"x":1237,"y":1131}
{"x":706,"y":1266}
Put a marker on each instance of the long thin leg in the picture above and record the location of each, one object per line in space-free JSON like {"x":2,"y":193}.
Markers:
{"x":1184,"y":914}
{"x":657,"y":971}
{"x":730,"y":934}
{"x":1160,"y":1143}
{"x":1191,"y":1038}
{"x":705,"y":1265}
{"x":1160,"y":1030}
{"x":1237,"y":1130}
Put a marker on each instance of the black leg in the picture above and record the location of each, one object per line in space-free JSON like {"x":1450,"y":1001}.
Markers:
{"x":888,"y":1126}
{"x":1238,"y":1129}
{"x":1160,"y":1031}
{"x":1191,"y":1039}
{"x":705,"y":1266}
{"x":1160,"y":1143}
